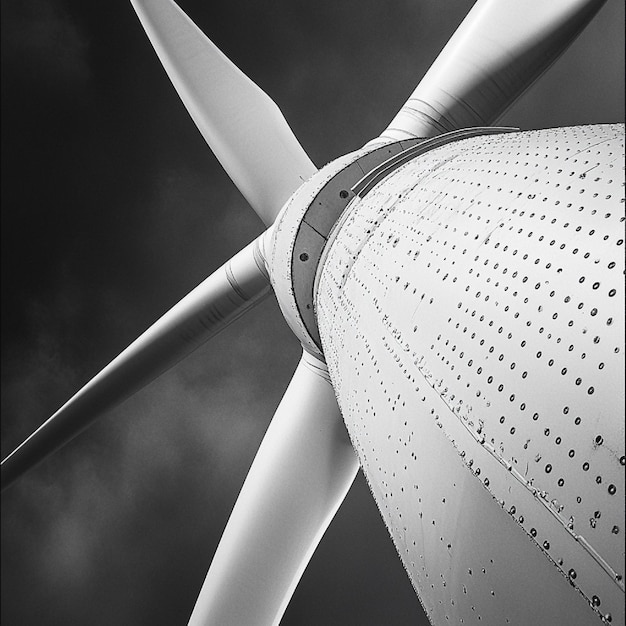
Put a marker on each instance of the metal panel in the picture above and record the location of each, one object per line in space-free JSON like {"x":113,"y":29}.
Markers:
{"x":471,"y":315}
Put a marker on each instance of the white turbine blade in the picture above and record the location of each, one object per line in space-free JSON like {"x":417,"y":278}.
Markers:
{"x":299,"y":477}
{"x":220,"y":299}
{"x":498,"y":51}
{"x":241,"y":123}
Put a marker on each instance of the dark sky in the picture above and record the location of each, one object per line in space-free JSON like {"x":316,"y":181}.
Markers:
{"x":113,"y":208}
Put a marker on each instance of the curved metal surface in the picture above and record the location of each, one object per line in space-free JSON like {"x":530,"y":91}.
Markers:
{"x":300,"y":231}
{"x":471,"y":314}
{"x":371,"y":179}
{"x":318,"y":221}
{"x":313,"y":212}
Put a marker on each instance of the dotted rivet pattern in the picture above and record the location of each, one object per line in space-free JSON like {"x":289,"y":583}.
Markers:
{"x":471,"y":315}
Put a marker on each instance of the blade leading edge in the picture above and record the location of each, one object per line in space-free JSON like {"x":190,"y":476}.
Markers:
{"x":242,"y":125}
{"x":224,"y":296}
{"x":299,"y":478}
{"x":499,"y":50}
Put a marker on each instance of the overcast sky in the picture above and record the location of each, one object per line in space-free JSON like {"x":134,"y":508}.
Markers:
{"x":113,"y":208}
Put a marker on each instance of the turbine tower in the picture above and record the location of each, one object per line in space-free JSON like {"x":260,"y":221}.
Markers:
{"x":455,"y":287}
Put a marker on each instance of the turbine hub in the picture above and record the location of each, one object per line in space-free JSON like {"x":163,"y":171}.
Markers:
{"x":302,"y":229}
{"x":306,"y":224}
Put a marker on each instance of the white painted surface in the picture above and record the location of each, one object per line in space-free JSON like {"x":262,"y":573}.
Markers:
{"x":242,"y":125}
{"x":471,"y":313}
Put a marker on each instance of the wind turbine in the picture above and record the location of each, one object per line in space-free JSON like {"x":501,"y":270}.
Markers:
{"x":233,"y":280}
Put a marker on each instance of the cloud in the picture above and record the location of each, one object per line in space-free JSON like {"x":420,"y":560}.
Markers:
{"x":48,"y":42}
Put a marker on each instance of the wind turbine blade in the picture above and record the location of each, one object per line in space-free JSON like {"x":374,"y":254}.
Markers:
{"x":220,"y":299}
{"x":498,"y":51}
{"x":297,"y":481}
{"x":241,"y":123}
